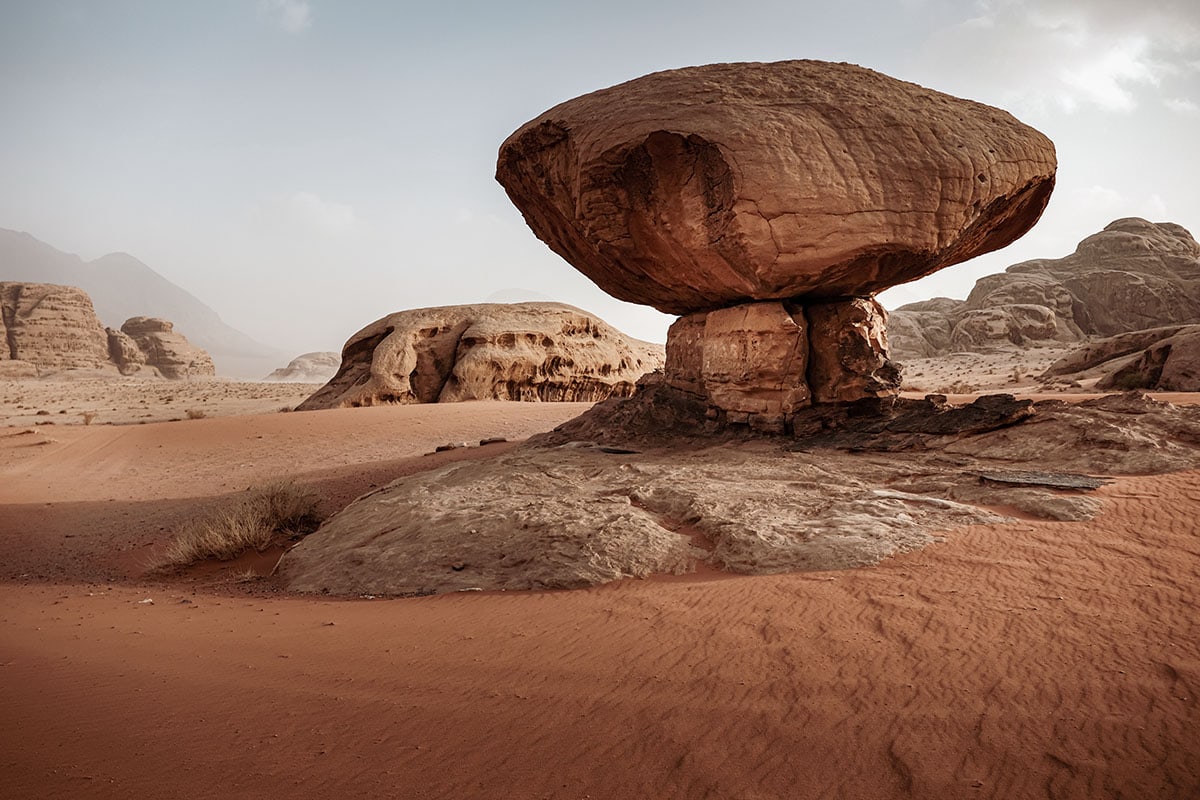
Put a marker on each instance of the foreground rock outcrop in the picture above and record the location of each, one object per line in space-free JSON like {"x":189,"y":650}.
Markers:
{"x":491,"y":351}
{"x":316,"y":367}
{"x":767,"y":203}
{"x":49,"y":328}
{"x":1133,"y":275}
{"x":629,"y":490}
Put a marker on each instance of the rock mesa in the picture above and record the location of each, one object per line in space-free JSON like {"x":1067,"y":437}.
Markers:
{"x":49,"y":328}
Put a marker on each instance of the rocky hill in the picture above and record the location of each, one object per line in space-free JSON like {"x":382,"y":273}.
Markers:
{"x":49,"y":329}
{"x":307,"y":368}
{"x":490,"y":351}
{"x":121,"y":287}
{"x":1131,"y":276}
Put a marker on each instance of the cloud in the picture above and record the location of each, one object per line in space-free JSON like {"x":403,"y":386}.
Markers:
{"x":293,"y":16}
{"x":1067,"y":56}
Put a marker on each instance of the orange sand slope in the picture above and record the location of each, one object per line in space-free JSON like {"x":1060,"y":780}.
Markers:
{"x":1032,"y":659}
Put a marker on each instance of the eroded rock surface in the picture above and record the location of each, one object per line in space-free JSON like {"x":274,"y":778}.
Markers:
{"x":51,"y":327}
{"x":494,"y":351}
{"x":1133,"y":275}
{"x":1171,"y":364}
{"x":561,"y":512}
{"x":711,"y":186}
{"x":164,"y":349}
{"x":316,"y":367}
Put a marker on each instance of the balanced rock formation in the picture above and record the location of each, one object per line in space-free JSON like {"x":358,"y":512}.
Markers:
{"x":741,"y":195}
{"x":489,"y":351}
{"x":316,"y":367}
{"x":1134,"y":275}
{"x":50,"y":328}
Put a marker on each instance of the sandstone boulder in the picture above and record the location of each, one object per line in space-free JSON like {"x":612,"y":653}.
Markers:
{"x":520,"y":351}
{"x":308,"y":368}
{"x":51,"y":327}
{"x":166,"y":350}
{"x":710,"y":186}
{"x":1100,"y":352}
{"x":1170,"y":365}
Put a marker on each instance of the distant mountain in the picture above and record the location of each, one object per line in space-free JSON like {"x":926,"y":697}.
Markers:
{"x":122,"y":287}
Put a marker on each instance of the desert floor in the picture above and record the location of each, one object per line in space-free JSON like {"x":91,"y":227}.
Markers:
{"x":1023,"y":660}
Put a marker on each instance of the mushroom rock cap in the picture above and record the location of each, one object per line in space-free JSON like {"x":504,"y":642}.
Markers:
{"x":704,"y":187}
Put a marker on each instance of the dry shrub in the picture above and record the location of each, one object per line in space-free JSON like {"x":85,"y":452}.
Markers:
{"x":88,"y":416}
{"x":195,"y":413}
{"x":267,"y":516}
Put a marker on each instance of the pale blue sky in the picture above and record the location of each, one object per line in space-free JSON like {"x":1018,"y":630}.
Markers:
{"x":306,"y":166}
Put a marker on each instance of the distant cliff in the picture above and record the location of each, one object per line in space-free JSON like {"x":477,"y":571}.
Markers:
{"x":47,"y":328}
{"x":121,"y":287}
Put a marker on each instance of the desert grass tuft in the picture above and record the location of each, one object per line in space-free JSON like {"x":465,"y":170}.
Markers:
{"x":195,"y":413}
{"x":268,"y":515}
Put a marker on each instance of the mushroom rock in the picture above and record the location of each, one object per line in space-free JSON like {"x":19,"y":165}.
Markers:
{"x":768,"y":203}
{"x":708,"y":186}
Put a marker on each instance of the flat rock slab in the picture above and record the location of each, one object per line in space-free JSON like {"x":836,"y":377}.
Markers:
{"x":1054,"y":480}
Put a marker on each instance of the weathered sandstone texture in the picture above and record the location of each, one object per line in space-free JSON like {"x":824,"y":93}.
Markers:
{"x":49,"y":328}
{"x":170,"y":353}
{"x":1132,"y":276}
{"x":710,"y":186}
{"x":759,"y":363}
{"x":767,"y":203}
{"x":492,"y":351}
{"x":308,"y":368}
{"x":1172,"y":364}
{"x":632,"y":500}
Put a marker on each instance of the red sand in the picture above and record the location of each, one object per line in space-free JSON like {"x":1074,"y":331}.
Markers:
{"x":1033,"y":659}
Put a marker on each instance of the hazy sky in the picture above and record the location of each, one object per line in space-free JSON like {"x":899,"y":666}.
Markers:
{"x":307,"y":166}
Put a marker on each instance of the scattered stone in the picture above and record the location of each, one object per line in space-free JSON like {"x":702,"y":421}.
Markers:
{"x":492,"y":440}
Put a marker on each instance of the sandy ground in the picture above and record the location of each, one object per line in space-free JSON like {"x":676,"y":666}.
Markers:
{"x":1030,"y":659}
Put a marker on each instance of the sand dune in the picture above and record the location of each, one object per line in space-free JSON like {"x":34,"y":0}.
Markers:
{"x":1029,"y":659}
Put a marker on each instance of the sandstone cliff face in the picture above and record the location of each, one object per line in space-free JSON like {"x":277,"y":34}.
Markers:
{"x":1133,"y":275}
{"x":308,"y":368}
{"x":1170,"y":365}
{"x":50,"y":328}
{"x":493,"y":351}
{"x":711,"y":186}
{"x":167,"y":351}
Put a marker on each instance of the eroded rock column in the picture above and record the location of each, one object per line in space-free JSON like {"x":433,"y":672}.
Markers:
{"x":758,"y":363}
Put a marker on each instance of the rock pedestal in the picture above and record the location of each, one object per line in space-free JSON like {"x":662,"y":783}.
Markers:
{"x":758,"y":363}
